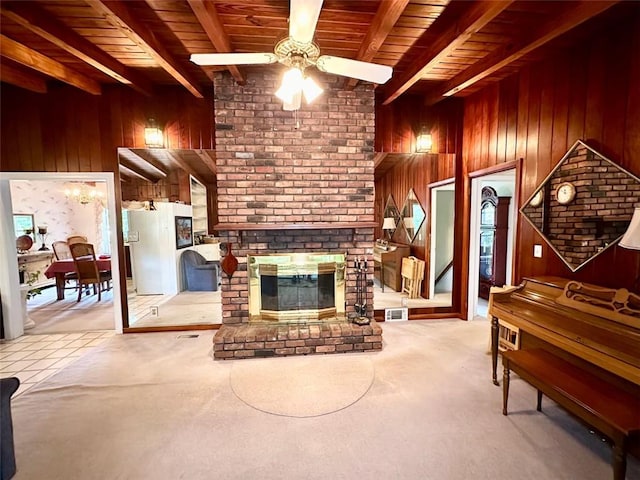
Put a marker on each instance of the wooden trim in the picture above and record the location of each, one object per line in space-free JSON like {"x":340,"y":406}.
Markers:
{"x":496,"y":169}
{"x":292,"y":226}
{"x":441,"y":183}
{"x":171,"y":328}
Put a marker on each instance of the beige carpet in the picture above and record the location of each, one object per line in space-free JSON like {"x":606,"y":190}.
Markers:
{"x":302,"y":386}
{"x":69,"y":315}
{"x":157,"y":406}
{"x":186,"y":308}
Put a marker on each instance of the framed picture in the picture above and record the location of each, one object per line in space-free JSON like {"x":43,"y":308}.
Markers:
{"x":184,"y":232}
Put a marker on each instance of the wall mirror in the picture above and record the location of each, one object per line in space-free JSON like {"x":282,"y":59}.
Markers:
{"x":583,"y":206}
{"x":412,"y":215}
{"x":391,"y":217}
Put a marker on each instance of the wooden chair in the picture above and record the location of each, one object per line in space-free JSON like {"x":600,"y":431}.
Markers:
{"x":76,"y":239}
{"x":84,"y":259}
{"x":62,"y":252}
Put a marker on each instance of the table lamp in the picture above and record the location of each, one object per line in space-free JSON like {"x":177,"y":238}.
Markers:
{"x":388,"y":225}
{"x":631,"y":238}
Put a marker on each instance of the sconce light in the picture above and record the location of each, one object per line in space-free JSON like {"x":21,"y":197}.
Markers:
{"x":153,"y":134}
{"x":388,"y":225}
{"x":423,"y":141}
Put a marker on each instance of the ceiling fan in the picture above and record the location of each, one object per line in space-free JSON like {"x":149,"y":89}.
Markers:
{"x":297,"y":51}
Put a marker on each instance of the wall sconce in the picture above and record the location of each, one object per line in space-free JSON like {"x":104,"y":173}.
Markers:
{"x":153,"y":134}
{"x":388,"y":225}
{"x":424,"y":141}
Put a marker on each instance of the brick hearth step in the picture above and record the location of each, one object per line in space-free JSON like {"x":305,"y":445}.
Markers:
{"x":271,"y":340}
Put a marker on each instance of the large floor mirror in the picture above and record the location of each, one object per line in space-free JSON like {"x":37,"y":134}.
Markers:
{"x":173,"y":272}
{"x":411,"y":271}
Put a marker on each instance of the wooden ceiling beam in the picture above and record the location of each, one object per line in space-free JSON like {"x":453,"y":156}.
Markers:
{"x":22,"y":78}
{"x":133,"y":159}
{"x":41,"y":23}
{"x":129,"y":172}
{"x":119,"y":14}
{"x":208,"y":160}
{"x":184,"y":166}
{"x":575,"y":14}
{"x":386,"y":17}
{"x":207,"y":15}
{"x":446,"y":34}
{"x":30,"y":58}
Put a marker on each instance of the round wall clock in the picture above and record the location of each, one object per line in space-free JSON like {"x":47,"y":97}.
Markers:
{"x":536,"y":201}
{"x":565,"y":193}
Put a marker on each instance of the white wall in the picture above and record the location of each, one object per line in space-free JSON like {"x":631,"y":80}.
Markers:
{"x":63,"y":217}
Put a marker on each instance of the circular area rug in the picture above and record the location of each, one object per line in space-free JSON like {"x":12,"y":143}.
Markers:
{"x":302,"y":386}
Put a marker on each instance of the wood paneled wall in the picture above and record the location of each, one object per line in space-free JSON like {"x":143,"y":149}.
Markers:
{"x":67,"y":130}
{"x":590,"y":93}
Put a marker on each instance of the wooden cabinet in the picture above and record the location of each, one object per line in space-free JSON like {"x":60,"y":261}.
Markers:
{"x":388,"y":264}
{"x":35,"y":263}
{"x":494,"y":227}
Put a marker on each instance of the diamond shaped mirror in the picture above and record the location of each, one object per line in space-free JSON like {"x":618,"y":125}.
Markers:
{"x":583,"y":206}
{"x":391,"y":217}
{"x":412,"y":215}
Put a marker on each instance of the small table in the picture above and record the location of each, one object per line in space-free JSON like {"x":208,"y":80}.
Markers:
{"x":60,"y":268}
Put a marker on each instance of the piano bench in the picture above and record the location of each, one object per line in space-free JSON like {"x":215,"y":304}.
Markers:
{"x":608,"y":408}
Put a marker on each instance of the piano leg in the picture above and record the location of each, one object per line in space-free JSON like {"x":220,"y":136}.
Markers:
{"x":505,"y":388}
{"x":494,"y":348}
{"x":619,"y":460}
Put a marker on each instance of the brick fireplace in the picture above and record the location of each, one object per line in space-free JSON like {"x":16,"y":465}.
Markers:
{"x":293,"y":183}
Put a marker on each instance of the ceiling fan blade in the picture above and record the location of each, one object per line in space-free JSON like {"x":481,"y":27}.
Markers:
{"x":295,"y":103}
{"x":303,"y":17}
{"x":233,"y":58}
{"x":370,"y":72}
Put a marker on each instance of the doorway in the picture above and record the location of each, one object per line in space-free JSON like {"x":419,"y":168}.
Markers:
{"x":9,"y":278}
{"x":504,"y":183}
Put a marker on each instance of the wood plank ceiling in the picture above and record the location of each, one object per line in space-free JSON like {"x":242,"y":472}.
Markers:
{"x":436,"y":47}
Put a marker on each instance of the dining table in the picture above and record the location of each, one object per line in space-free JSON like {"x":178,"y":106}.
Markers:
{"x":60,"y":268}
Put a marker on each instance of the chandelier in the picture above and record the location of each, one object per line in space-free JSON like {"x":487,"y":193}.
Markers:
{"x":84,"y":194}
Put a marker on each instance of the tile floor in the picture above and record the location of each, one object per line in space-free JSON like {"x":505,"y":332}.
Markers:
{"x":32,"y":358}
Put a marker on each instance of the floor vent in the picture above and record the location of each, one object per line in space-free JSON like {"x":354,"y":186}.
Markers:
{"x":189,"y":336}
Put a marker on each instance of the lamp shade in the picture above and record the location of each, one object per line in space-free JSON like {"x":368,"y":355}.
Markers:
{"x":424,"y":143}
{"x":389,"y":223}
{"x":631,"y":238}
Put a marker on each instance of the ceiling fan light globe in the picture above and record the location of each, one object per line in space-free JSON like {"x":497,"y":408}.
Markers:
{"x":292,"y":82}
{"x":311,"y":89}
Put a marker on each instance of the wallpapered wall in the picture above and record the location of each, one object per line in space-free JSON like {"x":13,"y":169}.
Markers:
{"x":62,"y":216}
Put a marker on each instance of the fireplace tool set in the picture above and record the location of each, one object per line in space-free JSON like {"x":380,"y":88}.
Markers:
{"x":361,"y":284}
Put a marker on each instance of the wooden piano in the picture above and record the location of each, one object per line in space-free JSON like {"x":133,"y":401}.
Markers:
{"x":591,"y":329}
{"x":597,"y":325}
{"x":387,"y":258}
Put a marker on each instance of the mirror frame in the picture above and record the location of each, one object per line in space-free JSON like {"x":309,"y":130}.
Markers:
{"x":541,"y":208}
{"x":407,"y":212}
{"x":391,"y":210}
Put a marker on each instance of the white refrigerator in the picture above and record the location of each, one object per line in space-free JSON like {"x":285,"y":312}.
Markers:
{"x":154,"y":253}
